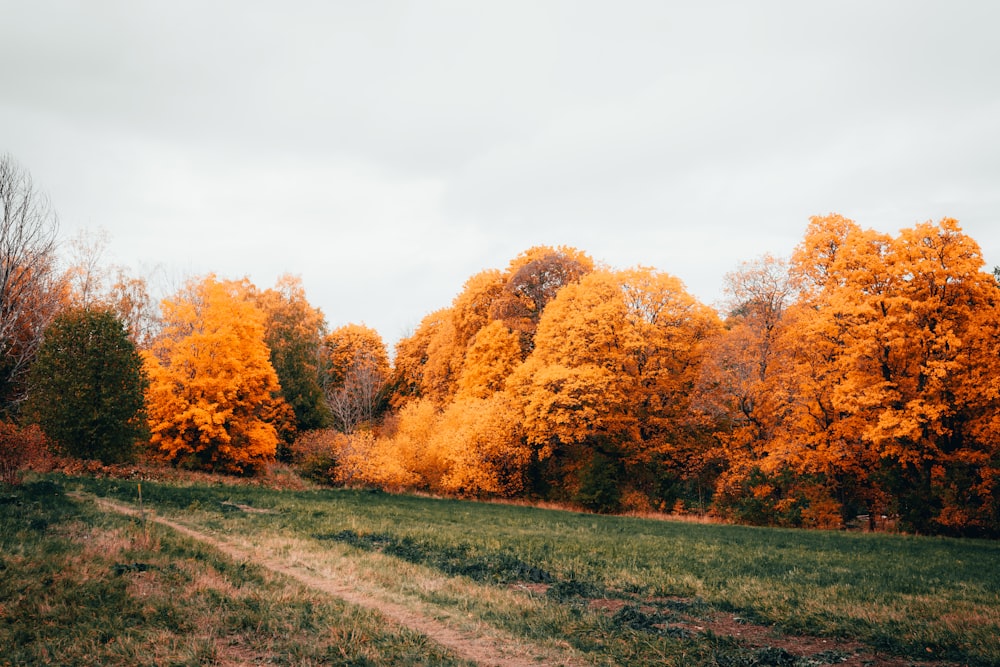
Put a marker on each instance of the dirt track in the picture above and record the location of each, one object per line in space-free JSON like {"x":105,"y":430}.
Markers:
{"x":499,"y":649}
{"x":494,"y":651}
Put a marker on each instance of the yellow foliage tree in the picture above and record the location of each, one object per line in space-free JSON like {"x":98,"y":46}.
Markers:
{"x":213,"y":397}
{"x":611,"y":377}
{"x":493,"y":354}
{"x":479,"y":440}
{"x":363,"y":459}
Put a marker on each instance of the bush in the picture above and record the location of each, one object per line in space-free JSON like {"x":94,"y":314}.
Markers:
{"x":19,"y":448}
{"x":314,"y":454}
{"x":600,"y":488}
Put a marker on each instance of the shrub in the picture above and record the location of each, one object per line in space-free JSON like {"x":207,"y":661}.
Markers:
{"x":314,"y":454}
{"x":19,"y":448}
{"x":600,"y":488}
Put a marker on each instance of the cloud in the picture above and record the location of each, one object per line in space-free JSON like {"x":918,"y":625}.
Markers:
{"x":386,"y":151}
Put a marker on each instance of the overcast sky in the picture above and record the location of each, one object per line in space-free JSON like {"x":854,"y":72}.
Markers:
{"x":387,"y":151}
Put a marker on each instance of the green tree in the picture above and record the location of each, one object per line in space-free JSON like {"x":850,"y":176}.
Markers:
{"x":294,"y":332}
{"x":87,"y":386}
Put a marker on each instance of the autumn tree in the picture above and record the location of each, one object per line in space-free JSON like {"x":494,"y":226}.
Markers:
{"x":87,"y":386}
{"x":294,"y":333}
{"x":742,"y":380}
{"x":915,"y":305}
{"x":671,"y":333}
{"x":402,"y":459}
{"x":479,"y":440}
{"x":214,"y":397}
{"x":423,"y":360}
{"x":492,"y":356}
{"x":356,"y":375}
{"x":870,"y":392}
{"x":31,"y":290}
{"x":471,"y":309}
{"x":533,"y":279}
{"x":128,"y":296}
{"x":611,"y":375}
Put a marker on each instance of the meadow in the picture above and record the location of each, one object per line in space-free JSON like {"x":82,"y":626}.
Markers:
{"x":80,"y":584}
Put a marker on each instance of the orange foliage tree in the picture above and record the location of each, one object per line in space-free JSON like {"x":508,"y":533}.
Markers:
{"x":401,"y":460}
{"x":869,"y":391}
{"x":480,"y":441}
{"x":743,"y":385}
{"x":532,"y":280}
{"x":424,"y":360}
{"x":914,"y":307}
{"x":433,"y":361}
{"x":213,"y":398}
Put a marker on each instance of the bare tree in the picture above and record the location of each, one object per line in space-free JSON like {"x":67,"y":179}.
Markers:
{"x":30,"y":287}
{"x":87,"y":275}
{"x":357,"y":399}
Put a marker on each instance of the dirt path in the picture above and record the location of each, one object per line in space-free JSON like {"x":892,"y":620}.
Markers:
{"x":504,"y":651}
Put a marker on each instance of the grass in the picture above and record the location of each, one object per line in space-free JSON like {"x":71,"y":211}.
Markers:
{"x":83,"y":587}
{"x":619,"y":590}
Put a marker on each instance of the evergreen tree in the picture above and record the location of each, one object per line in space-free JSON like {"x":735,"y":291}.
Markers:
{"x":87,"y":386}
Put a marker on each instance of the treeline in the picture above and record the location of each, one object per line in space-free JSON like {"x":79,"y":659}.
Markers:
{"x":859,"y":377}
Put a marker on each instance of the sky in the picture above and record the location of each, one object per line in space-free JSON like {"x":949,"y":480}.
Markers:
{"x":384,"y":152}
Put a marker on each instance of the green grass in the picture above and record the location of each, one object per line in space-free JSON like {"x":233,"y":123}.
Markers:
{"x":83,"y":587}
{"x":925,"y":598}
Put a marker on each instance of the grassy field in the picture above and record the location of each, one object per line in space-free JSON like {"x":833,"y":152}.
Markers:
{"x":81,"y":585}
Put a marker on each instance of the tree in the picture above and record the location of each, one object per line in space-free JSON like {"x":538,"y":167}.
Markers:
{"x":31,"y":292}
{"x":87,"y":386}
{"x":534,"y":278}
{"x":610,"y":379}
{"x":401,"y":460}
{"x":470,"y":310}
{"x":423,"y":361}
{"x":741,"y":384}
{"x":93,"y":284}
{"x":479,"y":440}
{"x":432,"y":362}
{"x":294,"y":333}
{"x":128,"y":296}
{"x":915,"y":305}
{"x":492,"y":356}
{"x":356,"y":376}
{"x":214,"y":398}
{"x":873,"y":392}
